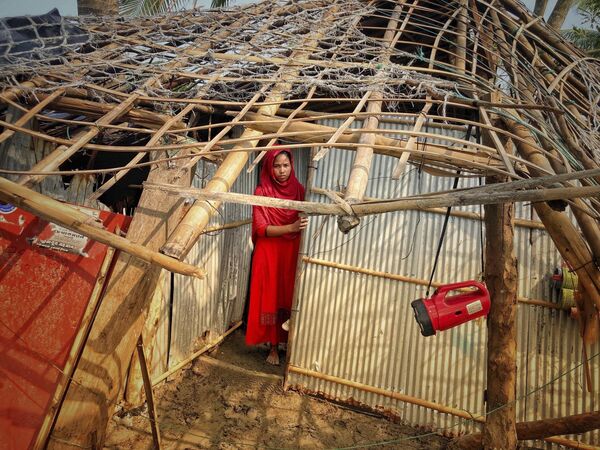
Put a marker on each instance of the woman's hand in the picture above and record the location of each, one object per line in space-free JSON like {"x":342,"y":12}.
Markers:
{"x":299,"y":225}
{"x":280,"y":230}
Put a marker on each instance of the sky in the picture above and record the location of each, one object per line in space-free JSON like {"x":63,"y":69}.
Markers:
{"x":69,"y":8}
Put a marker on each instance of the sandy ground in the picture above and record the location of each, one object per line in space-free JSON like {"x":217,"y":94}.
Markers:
{"x":232,"y":399}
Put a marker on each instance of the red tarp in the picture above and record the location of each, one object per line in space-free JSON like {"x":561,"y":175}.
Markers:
{"x":47,"y":274}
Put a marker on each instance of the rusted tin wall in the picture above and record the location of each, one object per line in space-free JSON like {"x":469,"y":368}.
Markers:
{"x":361,"y":328}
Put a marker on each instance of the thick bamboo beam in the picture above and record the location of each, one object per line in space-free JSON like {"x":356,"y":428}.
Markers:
{"x":189,"y":229}
{"x":501,"y":279}
{"x":80,"y":222}
{"x":539,"y":429}
{"x":359,"y":174}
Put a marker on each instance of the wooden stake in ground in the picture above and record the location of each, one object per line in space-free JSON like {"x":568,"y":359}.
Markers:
{"x":149,"y":394}
{"x":501,"y":278}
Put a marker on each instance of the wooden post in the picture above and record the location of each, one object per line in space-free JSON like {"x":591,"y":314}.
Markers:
{"x":501,"y":279}
{"x":149,"y":394}
{"x":102,"y":369}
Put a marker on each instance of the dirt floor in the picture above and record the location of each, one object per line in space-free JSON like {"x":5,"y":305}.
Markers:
{"x":232,"y":399}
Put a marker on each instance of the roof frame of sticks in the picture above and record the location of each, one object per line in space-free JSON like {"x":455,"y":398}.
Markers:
{"x":109,"y":95}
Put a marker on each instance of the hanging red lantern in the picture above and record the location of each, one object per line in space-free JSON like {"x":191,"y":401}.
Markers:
{"x":442,"y":311}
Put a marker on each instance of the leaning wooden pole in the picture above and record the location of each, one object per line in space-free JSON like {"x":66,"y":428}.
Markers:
{"x":501,"y":279}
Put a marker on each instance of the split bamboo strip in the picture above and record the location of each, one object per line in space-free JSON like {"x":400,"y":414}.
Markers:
{"x":419,"y":402}
{"x":241,"y":370}
{"x":80,"y":222}
{"x":137,"y":158}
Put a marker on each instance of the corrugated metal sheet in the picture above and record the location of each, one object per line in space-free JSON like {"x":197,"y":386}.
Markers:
{"x":361,"y":328}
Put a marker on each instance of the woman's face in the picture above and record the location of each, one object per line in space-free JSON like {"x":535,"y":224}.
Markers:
{"x":282,"y":167}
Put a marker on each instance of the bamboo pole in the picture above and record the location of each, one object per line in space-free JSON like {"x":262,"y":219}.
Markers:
{"x":76,"y":349}
{"x":102,"y":368}
{"x":189,"y":229}
{"x":360,"y":209}
{"x":80,"y":222}
{"x":359,"y":174}
{"x":305,"y":132}
{"x":411,"y":280}
{"x":524,"y":223}
{"x":298,"y":275}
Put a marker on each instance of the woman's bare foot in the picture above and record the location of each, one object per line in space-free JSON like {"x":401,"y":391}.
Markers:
{"x":273,"y":357}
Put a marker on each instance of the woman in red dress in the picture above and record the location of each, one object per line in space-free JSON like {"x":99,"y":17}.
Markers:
{"x":276,"y":237}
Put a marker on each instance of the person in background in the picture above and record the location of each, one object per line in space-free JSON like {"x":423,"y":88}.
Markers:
{"x":276,"y":237}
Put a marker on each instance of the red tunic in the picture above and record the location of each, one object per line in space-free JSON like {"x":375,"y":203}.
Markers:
{"x":274,"y":259}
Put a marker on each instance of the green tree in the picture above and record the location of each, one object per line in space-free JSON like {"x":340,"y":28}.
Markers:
{"x":587,"y":39}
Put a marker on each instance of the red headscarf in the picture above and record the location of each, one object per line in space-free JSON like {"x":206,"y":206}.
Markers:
{"x":268,"y":186}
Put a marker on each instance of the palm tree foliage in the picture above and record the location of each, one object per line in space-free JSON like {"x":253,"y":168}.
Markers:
{"x":149,"y":7}
{"x":587,"y":38}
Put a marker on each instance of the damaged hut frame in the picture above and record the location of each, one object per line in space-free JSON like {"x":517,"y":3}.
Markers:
{"x":117,"y":114}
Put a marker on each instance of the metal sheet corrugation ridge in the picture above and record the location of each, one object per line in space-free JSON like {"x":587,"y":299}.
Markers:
{"x":361,"y":328}
{"x":213,"y":303}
